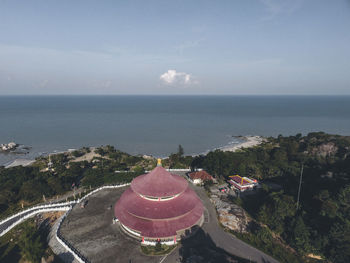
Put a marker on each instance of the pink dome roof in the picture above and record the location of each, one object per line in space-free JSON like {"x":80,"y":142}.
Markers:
{"x":143,"y":208}
{"x":159,"y":218}
{"x":159,"y":183}
{"x":160,"y":228}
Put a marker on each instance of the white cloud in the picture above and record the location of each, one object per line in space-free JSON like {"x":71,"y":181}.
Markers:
{"x":172,"y":77}
{"x":277,"y":7}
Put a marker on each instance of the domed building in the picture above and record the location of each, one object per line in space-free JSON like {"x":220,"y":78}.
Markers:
{"x":159,"y":206}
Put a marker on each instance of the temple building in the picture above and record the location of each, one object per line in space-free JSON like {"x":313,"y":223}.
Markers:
{"x":242,"y":184}
{"x":159,"y":206}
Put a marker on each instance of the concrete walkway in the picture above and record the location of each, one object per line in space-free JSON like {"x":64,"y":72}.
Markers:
{"x":57,"y":248}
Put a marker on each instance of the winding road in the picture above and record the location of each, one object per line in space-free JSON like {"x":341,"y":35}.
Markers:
{"x":222,"y":239}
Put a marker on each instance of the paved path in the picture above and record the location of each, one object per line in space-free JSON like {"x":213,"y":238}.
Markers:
{"x":222,"y":239}
{"x":57,"y":248}
{"x":91,"y":232}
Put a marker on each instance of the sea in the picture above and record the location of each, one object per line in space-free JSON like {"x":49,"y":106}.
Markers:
{"x":156,"y":125}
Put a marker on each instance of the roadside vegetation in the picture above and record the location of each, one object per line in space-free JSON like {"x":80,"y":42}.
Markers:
{"x":157,"y":250}
{"x":320,"y":225}
{"x":25,"y":243}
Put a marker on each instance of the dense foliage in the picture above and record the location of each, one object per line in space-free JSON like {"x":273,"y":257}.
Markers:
{"x":31,"y":243}
{"x":321,"y":225}
{"x":178,"y":160}
{"x":26,"y":243}
{"x":27,"y":185}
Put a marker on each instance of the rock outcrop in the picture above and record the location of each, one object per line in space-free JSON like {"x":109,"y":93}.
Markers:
{"x":231,"y":216}
{"x":325,"y":149}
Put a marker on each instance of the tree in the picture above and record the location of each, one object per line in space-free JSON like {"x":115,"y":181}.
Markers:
{"x":276,"y":208}
{"x":339,"y":248}
{"x":329,"y":208}
{"x":264,"y":235}
{"x":77,"y":153}
{"x":301,"y":235}
{"x":180,"y":151}
{"x":31,"y":245}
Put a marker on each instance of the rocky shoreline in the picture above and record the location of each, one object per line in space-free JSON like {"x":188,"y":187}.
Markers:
{"x":7,"y":147}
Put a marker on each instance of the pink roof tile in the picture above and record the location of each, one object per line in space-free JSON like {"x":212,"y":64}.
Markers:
{"x":159,"y":183}
{"x":158,"y":219}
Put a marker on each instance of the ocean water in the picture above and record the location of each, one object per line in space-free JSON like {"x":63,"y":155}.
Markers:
{"x":158,"y":124}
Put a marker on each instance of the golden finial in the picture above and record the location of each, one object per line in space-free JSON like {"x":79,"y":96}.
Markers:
{"x":159,"y":162}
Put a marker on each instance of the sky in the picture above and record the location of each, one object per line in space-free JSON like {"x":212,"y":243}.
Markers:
{"x":251,"y":47}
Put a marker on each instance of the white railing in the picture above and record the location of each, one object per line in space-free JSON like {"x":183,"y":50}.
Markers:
{"x":66,"y":206}
{"x":169,"y":243}
{"x":77,"y":255}
{"x":149,"y":243}
{"x":60,"y":204}
{"x":41,"y":210}
{"x":102,"y":187}
{"x":66,"y":245}
{"x":35,"y":208}
{"x":154,"y":243}
{"x":179,"y":170}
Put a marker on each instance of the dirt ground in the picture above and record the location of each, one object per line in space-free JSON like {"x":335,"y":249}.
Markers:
{"x":90,"y":231}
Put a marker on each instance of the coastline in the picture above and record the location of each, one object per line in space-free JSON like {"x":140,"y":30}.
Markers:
{"x":249,"y":141}
{"x":233,"y":146}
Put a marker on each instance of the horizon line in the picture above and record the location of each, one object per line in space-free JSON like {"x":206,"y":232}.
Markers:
{"x":175,"y":95}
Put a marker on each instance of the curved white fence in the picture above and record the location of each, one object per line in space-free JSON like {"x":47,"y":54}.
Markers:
{"x":42,"y":210}
{"x":36,"y":207}
{"x":76,"y":254}
{"x":154,"y":243}
{"x":103,"y":187}
{"x":179,"y":170}
{"x":66,"y":206}
{"x":60,"y":204}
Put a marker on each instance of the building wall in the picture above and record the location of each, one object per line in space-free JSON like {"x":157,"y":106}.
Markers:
{"x":197,"y":181}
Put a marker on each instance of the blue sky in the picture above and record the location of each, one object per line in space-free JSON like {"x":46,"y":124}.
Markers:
{"x":175,"y":47}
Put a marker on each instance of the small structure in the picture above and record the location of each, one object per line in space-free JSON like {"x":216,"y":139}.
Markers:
{"x":200,"y":177}
{"x":224,"y":189}
{"x":242,"y":183}
{"x":83,"y":204}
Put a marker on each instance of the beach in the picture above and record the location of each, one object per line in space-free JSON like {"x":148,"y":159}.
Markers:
{"x":248,"y":141}
{"x":18,"y":162}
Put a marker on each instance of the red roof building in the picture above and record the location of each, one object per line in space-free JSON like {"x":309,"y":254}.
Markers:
{"x":159,"y":206}
{"x":200,"y":176}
